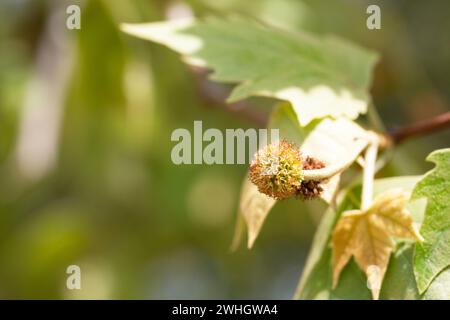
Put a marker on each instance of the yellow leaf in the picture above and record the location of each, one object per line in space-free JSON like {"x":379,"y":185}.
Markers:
{"x":367,"y":236}
{"x":254,"y":207}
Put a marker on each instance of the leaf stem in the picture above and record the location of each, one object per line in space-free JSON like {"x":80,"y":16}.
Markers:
{"x":370,"y":159}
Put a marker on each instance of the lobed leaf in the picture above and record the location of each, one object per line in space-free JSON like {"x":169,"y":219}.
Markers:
{"x":368,"y":236}
{"x":433,"y":255}
{"x":317,"y":278}
{"x":320,"y":77}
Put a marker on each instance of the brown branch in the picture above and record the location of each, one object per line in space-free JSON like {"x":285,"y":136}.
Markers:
{"x":400,"y":135}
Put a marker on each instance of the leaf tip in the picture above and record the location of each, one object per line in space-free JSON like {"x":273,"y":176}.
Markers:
{"x":125,"y":27}
{"x":238,"y":231}
{"x":335,"y":280}
{"x":375,"y":277}
{"x":375,"y":294}
{"x":419,"y":237}
{"x":251,"y":239}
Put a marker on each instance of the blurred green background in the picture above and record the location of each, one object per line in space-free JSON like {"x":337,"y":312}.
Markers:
{"x":85,"y":171}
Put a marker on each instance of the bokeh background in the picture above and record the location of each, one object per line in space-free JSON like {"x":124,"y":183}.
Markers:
{"x":85,"y":123}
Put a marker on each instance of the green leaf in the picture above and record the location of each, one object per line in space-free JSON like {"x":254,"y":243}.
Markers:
{"x":399,"y":282}
{"x":439,"y":289}
{"x":284,"y":119}
{"x":433,"y":255}
{"x":316,"y":281}
{"x":320,"y":77}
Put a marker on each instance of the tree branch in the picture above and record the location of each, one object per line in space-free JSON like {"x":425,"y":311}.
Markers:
{"x":400,"y":135}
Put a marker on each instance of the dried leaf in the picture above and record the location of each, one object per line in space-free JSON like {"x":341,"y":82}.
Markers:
{"x":254,"y":207}
{"x":367,"y":235}
{"x":398,"y":282}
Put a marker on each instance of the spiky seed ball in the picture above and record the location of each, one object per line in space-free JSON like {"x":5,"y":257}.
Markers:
{"x":277,"y":170}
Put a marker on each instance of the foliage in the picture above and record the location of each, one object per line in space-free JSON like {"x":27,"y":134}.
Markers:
{"x":92,"y":111}
{"x":317,"y":280}
{"x":324,"y":81}
{"x":432,"y":256}
{"x":319,"y":77}
{"x":367,"y":235}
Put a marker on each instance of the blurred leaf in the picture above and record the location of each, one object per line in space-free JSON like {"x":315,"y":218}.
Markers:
{"x":432,"y":256}
{"x":399,"y":282}
{"x":320,"y":76}
{"x":254,"y":207}
{"x":285,"y":120}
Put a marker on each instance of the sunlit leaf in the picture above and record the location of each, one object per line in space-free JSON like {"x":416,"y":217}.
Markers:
{"x":320,"y":77}
{"x":335,"y":142}
{"x":329,"y":140}
{"x":439,"y":289}
{"x":433,"y":255}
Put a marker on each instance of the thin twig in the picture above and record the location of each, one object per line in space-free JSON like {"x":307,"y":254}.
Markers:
{"x":370,"y":159}
{"x":400,"y":135}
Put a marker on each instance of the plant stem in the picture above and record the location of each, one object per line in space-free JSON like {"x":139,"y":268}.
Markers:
{"x":325,"y":173}
{"x":375,"y":119}
{"x":370,"y":159}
